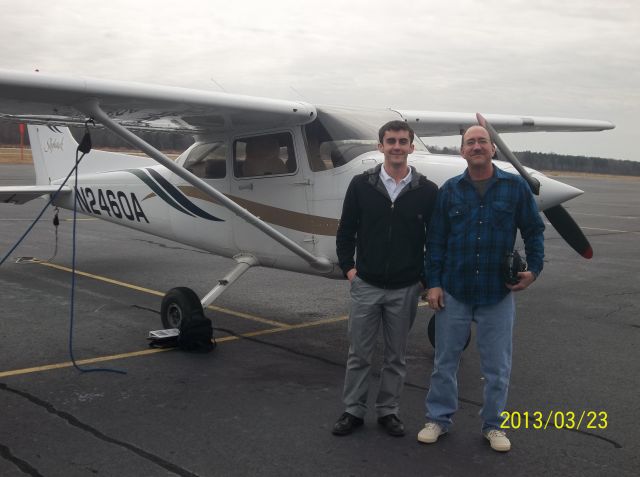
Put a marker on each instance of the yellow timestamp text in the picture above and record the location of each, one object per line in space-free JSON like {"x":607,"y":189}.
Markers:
{"x":554,"y":420}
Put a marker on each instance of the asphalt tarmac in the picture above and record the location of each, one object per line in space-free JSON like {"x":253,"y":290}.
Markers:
{"x":264,"y":401}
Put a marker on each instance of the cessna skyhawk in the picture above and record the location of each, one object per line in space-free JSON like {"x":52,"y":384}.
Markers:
{"x":262,"y":184}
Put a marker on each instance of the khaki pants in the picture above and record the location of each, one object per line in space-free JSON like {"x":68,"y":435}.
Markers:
{"x":371,"y":307}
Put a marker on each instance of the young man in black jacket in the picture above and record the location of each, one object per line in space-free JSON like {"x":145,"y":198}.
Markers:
{"x":384,"y":220}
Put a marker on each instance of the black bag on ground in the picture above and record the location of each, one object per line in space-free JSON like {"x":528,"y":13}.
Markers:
{"x":196,"y":334}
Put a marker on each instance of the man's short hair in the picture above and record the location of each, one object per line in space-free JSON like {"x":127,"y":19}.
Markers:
{"x":395,"y":125}
{"x":474,"y":126}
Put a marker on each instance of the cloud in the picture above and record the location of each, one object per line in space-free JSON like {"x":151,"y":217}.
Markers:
{"x":571,"y":58}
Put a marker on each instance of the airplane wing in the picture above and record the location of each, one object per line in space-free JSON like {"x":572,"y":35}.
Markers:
{"x":23,"y":194}
{"x":122,"y":107}
{"x":431,"y":123}
{"x":49,"y":99}
{"x":54,"y":100}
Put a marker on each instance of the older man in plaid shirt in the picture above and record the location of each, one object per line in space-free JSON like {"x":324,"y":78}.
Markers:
{"x":474,"y":226}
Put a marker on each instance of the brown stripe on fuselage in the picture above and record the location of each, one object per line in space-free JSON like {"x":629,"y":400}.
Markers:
{"x":312,"y":224}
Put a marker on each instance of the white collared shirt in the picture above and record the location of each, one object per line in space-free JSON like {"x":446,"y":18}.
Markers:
{"x":390,"y":183}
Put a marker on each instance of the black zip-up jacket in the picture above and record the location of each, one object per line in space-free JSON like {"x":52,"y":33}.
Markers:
{"x":389,"y":237}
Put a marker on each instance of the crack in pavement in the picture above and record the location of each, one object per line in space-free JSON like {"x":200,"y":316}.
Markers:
{"x":75,"y":422}
{"x":622,"y":293}
{"x":615,"y":444}
{"x":23,"y":465}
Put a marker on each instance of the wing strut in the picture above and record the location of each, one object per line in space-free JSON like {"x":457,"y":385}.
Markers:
{"x":93,"y":110}
{"x":534,"y":183}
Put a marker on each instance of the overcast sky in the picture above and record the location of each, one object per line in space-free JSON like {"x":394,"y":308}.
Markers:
{"x":569,"y":58}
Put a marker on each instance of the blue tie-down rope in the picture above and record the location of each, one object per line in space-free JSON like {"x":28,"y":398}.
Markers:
{"x":84,"y":147}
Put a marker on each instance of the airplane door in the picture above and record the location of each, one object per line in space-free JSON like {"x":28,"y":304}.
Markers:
{"x":268,"y":181}
{"x":209,"y":225}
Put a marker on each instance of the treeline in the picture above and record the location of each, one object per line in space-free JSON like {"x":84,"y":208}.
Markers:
{"x":101,"y":137}
{"x":559,"y":162}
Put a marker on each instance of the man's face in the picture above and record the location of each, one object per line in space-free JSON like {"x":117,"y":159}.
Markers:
{"x":477,"y":147}
{"x":396,"y":146}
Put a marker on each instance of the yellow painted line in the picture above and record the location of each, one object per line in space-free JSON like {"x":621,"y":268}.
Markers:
{"x":146,"y":352}
{"x":68,"y":364}
{"x":248,"y":316}
{"x":279,"y":328}
{"x":297,"y":327}
{"x":157,"y":293}
{"x":102,"y":279}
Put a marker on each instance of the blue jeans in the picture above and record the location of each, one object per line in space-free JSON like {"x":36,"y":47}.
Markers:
{"x":494,"y":328}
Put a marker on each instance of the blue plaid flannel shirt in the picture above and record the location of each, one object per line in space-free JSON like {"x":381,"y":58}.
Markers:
{"x":469,"y":236}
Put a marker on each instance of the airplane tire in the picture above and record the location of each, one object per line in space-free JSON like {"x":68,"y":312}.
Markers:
{"x":431,"y":332}
{"x":178,"y":305}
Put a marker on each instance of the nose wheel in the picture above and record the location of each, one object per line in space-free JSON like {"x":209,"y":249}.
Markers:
{"x":178,"y":305}
{"x":431,"y":332}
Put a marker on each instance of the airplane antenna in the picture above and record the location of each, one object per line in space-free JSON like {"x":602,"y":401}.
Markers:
{"x":299,"y":94}
{"x":218,"y":84}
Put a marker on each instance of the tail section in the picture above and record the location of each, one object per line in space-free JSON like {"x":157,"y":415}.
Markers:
{"x":54,"y":155}
{"x":53,"y":150}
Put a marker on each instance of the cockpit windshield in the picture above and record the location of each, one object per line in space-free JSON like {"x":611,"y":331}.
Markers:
{"x":339,"y":135}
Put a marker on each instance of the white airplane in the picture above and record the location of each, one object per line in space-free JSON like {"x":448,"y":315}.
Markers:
{"x":262,"y":184}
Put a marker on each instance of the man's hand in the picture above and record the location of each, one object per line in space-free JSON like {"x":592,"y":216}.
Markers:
{"x":526,"y":279}
{"x":351,"y":273}
{"x":435,"y":297}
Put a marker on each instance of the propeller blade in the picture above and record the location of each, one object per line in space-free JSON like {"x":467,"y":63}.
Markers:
{"x":569,"y":230}
{"x":557,"y":215}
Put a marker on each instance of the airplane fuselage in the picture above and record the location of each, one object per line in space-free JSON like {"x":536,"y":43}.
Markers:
{"x":302,"y":203}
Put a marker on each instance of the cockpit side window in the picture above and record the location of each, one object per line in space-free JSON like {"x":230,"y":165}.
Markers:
{"x":265,"y":155}
{"x":327,"y":151}
{"x":339,"y":135}
{"x":208,"y":160}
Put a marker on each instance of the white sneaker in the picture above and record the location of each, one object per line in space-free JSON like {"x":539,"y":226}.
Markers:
{"x":498,"y":440}
{"x":430,"y":433}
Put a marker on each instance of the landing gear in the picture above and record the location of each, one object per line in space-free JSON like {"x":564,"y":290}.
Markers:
{"x":431,"y":331}
{"x":178,"y":305}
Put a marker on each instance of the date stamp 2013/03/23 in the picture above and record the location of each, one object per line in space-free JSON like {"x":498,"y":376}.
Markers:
{"x":554,"y":420}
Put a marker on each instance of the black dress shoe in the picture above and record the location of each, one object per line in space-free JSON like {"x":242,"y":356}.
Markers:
{"x":346,"y":424}
{"x":392,"y":425}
